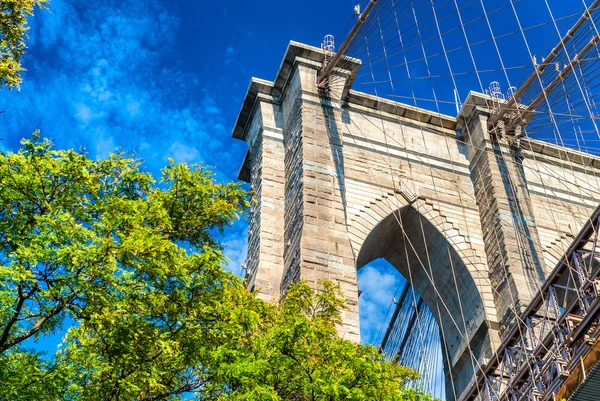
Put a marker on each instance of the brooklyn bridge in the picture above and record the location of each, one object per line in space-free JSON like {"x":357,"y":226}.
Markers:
{"x":459,"y":141}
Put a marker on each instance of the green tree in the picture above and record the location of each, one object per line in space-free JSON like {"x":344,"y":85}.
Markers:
{"x":132,"y":269}
{"x":292,"y":352}
{"x":13,"y":34}
{"x":129,"y":263}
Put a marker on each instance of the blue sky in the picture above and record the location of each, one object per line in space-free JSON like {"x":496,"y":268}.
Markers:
{"x":164,"y":79}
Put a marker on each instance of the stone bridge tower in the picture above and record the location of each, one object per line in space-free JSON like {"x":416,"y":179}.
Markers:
{"x":343,"y":178}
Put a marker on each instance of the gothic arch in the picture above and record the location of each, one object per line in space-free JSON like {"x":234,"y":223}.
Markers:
{"x":427,"y":258}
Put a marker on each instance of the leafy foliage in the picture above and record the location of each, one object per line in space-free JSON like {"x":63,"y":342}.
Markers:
{"x":293,"y":352}
{"x":130,"y":264}
{"x":132,"y":269}
{"x":13,"y":33}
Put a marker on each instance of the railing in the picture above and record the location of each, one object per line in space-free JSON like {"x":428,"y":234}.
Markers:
{"x":553,"y":334}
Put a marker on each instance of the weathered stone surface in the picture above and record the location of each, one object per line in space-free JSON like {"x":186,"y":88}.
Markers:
{"x":344,"y":178}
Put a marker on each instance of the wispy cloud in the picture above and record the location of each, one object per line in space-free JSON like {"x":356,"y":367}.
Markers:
{"x":236,"y":249}
{"x":379,"y":282}
{"x":101,"y":76}
{"x":229,"y":55}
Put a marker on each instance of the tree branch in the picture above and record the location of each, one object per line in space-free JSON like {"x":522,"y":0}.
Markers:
{"x":15,"y":317}
{"x":36,"y":327}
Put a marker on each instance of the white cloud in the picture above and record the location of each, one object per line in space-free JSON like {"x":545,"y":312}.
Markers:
{"x":104,"y":145}
{"x":133,"y":108}
{"x":236,"y":250}
{"x":229,"y":55}
{"x":107,"y":78}
{"x":85,"y":114}
{"x":379,"y":282}
{"x":181,"y":153}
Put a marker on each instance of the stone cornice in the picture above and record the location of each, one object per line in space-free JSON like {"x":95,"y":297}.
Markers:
{"x":390,"y":109}
{"x":258,"y":89}
{"x":263,"y":90}
{"x":560,"y":153}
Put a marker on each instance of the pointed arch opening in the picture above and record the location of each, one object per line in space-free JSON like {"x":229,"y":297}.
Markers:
{"x":431,"y":265}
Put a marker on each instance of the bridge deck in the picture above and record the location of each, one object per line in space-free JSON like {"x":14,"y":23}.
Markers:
{"x":556,"y":335}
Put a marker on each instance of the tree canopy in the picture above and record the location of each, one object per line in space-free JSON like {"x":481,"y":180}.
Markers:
{"x":131,"y":268}
{"x":13,"y":34}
